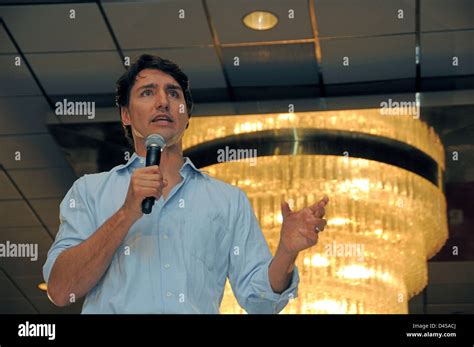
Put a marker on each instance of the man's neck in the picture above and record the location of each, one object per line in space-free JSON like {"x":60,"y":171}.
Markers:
{"x":170,"y":163}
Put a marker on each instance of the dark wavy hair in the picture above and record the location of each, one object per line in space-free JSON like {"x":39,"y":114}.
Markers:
{"x":127,"y":80}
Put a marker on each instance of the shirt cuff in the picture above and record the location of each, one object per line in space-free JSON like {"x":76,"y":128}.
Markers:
{"x":265,"y":291}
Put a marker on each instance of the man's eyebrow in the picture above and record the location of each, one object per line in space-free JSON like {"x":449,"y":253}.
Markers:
{"x":154,"y":85}
{"x":173,"y":86}
{"x":146,"y":86}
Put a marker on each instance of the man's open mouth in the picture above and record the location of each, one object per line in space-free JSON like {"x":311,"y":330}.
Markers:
{"x":161,"y":118}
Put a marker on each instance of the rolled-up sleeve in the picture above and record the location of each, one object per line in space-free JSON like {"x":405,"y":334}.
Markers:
{"x":77,"y":224}
{"x":250,"y":259}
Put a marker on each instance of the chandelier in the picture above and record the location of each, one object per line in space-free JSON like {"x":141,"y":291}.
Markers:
{"x":387,"y":210}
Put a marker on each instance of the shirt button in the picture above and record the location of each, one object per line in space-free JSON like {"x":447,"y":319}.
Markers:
{"x":167,"y":265}
{"x":165,"y":237}
{"x":262,"y":295}
{"x":168,"y":294}
{"x":142,"y":161}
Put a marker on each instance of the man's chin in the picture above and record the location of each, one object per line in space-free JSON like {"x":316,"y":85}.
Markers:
{"x":169,"y":137}
{"x":165,"y":133}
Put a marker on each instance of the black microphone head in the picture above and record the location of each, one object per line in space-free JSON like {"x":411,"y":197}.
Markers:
{"x":155,"y":140}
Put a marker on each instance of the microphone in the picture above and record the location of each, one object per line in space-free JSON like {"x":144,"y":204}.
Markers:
{"x":154,"y":145}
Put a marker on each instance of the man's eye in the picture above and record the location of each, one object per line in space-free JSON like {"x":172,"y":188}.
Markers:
{"x":174,"y":93}
{"x":146,"y":92}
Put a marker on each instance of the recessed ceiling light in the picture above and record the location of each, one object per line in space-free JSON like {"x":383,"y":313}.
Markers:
{"x":260,"y":20}
{"x":43,"y":286}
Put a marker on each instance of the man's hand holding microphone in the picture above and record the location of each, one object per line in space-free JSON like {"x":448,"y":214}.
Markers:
{"x":147,"y":183}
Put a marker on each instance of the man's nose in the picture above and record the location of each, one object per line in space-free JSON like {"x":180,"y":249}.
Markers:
{"x":161,"y":100}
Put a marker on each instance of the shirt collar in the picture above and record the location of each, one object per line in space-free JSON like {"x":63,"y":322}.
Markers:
{"x":137,"y":161}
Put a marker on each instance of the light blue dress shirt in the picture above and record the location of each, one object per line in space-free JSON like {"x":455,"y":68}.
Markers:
{"x":176,"y":259}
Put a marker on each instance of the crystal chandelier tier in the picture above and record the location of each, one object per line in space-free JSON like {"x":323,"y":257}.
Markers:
{"x":387,"y":212}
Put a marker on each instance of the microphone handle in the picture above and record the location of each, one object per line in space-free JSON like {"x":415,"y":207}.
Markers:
{"x":153,"y":157}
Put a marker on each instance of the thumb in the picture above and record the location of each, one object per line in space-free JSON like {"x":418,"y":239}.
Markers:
{"x":285,"y":209}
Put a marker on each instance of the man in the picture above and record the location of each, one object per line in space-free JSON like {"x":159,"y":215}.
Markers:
{"x":200,"y":231}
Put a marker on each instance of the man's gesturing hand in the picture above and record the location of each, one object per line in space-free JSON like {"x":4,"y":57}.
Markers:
{"x":300,"y":229}
{"x":145,"y":182}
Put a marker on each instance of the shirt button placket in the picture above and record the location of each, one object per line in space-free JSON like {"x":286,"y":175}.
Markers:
{"x":166,"y":257}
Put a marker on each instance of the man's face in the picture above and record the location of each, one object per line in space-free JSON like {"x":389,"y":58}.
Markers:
{"x":156,"y":106}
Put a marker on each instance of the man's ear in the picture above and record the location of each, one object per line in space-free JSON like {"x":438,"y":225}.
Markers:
{"x":125,"y":116}
{"x":187,"y":125}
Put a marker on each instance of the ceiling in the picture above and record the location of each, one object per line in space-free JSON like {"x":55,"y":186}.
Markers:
{"x":394,"y":49}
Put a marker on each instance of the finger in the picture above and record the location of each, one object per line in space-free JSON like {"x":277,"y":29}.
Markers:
{"x":149,"y":192}
{"x":314,"y":208}
{"x":285,"y":209}
{"x":312,"y":236}
{"x":321,"y":224}
{"x":314,"y":223}
{"x":319,"y":204}
{"x":149,"y":177}
{"x":317,"y":210}
{"x":149,"y":169}
{"x":320,"y":212}
{"x":318,"y":229}
{"x":149,"y":184}
{"x":325,"y":199}
{"x":312,"y":220}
